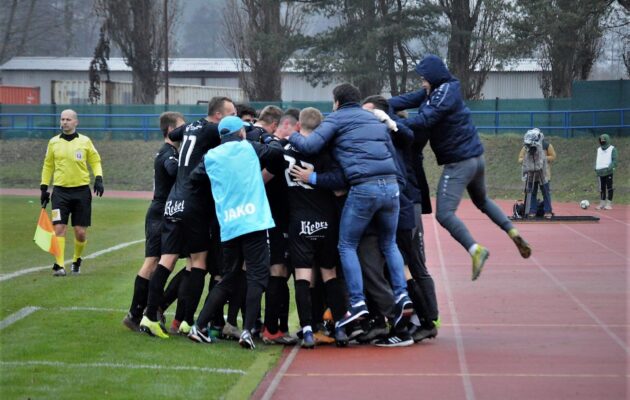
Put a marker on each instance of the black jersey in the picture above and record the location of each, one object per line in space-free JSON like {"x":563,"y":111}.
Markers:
{"x":164,"y":172}
{"x":275,"y":188}
{"x":306,"y":201}
{"x":196,"y":139}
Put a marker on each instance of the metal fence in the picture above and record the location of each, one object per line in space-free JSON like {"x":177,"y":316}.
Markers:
{"x":144,"y":126}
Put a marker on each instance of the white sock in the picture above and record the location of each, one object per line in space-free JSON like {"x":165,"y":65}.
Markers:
{"x":472,"y":249}
{"x":361,"y":303}
{"x":307,"y":328}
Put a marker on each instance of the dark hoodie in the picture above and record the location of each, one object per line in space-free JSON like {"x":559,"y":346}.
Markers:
{"x":452,"y":135}
{"x":604,"y":142}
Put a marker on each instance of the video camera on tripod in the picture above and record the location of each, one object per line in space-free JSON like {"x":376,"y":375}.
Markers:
{"x":534,"y":165}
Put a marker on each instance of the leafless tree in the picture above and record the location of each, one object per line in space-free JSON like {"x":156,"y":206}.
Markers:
{"x":474,"y":39}
{"x":137,"y":28}
{"x":262,"y":35}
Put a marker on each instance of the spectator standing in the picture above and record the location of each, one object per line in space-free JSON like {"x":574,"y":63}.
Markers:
{"x":605,"y":165}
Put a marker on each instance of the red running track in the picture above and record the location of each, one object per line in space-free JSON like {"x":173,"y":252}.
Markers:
{"x":554,"y":326}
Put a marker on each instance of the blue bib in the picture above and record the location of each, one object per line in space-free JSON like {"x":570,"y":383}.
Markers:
{"x":238,"y":189}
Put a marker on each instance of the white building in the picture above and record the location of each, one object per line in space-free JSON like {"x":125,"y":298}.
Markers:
{"x":513,"y":82}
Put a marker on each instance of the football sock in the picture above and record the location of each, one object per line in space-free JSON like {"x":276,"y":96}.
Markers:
{"x":172,"y":289}
{"x":78,"y":249}
{"x":196,"y":283}
{"x":285,"y":299}
{"x":336,"y":298}
{"x":61,"y":241}
{"x":273,"y":298}
{"x":303,"y":301}
{"x":140,"y":294}
{"x":156,"y":291}
{"x":472,"y":249}
{"x":317,"y":303}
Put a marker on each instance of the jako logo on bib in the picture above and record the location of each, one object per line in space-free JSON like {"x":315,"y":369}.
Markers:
{"x":239,"y":211}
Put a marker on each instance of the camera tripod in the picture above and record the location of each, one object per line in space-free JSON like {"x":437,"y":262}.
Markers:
{"x":531,"y":178}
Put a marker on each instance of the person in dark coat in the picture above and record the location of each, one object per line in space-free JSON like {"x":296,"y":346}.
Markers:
{"x":454,"y":139}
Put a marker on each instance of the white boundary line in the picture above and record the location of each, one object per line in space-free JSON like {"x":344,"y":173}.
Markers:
{"x":624,"y":256}
{"x":21,"y":272}
{"x":614,"y":219}
{"x":124,"y":366}
{"x":281,"y":373}
{"x":461,"y":355}
{"x":584,"y":308}
{"x":447,"y":375}
{"x":21,"y":313}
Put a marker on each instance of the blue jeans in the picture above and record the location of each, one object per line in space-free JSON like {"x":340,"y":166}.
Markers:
{"x":378,"y":200}
{"x":546,"y":193}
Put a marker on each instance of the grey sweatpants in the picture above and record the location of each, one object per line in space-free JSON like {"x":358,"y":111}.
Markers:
{"x":470,"y":175}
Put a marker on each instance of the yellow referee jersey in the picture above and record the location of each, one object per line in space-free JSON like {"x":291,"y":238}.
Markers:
{"x":66,"y":161}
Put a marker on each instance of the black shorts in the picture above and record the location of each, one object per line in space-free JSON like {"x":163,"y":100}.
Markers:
{"x":76,"y":201}
{"x":312,"y":244}
{"x":188,"y":235}
{"x":279,"y":253}
{"x":153,"y":230}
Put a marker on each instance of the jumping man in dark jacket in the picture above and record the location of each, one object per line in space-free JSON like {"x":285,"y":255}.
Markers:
{"x":456,"y":144}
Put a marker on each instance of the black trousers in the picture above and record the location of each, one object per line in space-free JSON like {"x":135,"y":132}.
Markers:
{"x":253,"y":250}
{"x":428,"y":309}
{"x":606,"y":187}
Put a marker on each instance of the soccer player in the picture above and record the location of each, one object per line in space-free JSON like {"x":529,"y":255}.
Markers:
{"x":164,"y":173}
{"x":361,"y":144}
{"x":66,"y":163}
{"x":313,"y":226}
{"x":188,"y":216}
{"x":456,"y":144}
{"x":243,"y":212}
{"x":277,"y":293}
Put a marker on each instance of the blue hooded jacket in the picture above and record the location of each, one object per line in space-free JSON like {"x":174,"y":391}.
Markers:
{"x":361,"y":143}
{"x":452,"y":135}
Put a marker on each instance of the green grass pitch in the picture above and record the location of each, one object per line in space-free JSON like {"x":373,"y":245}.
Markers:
{"x":72,"y":344}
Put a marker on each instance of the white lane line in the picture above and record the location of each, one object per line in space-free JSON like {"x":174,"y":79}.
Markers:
{"x":603,"y":215}
{"x":461,"y":355}
{"x":281,"y":373}
{"x":160,"y":367}
{"x":449,"y":375}
{"x":624,"y":256}
{"x":21,"y":272}
{"x":22,"y":313}
{"x":96,"y":309}
{"x":583,"y":306}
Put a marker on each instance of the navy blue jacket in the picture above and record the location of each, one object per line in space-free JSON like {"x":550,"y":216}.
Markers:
{"x":360,"y":143}
{"x":452,"y":135}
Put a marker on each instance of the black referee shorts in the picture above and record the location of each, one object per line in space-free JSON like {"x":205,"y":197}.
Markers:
{"x":75,"y":202}
{"x":312,"y":245}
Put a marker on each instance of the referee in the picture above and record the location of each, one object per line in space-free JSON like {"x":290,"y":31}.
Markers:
{"x":67,"y":157}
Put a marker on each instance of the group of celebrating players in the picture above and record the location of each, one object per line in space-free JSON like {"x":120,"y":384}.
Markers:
{"x":252,"y":200}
